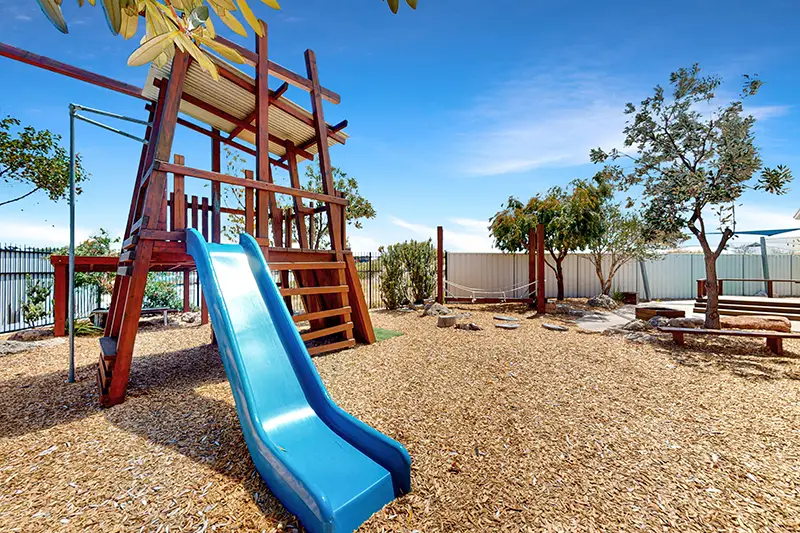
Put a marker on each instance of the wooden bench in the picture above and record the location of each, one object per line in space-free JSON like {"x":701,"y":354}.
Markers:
{"x":99,"y":315}
{"x":774,"y":338}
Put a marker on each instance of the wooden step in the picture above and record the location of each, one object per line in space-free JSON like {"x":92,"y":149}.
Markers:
{"x":322,"y":314}
{"x":127,"y":257}
{"x":325,"y":348}
{"x":755,"y":308}
{"x":125,"y":270}
{"x":130,"y":242}
{"x":328,"y":265}
{"x":347,"y":326}
{"x":766,"y":302}
{"x":302,"y":291}
{"x":108,"y":346}
{"x":103,"y":380}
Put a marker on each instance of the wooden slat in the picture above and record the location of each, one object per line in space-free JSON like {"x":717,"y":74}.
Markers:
{"x":331,"y":265}
{"x":127,"y":256}
{"x":300,"y":291}
{"x":348,"y":326}
{"x":108,"y":346}
{"x":179,"y":206}
{"x":158,"y":235}
{"x":249,"y":206}
{"x":193,"y":206}
{"x":325,"y":348}
{"x":125,"y":270}
{"x":731,"y":333}
{"x":204,"y":212}
{"x":130,"y":242}
{"x":321,"y":314}
{"x":231,"y":180}
{"x":142,"y":222}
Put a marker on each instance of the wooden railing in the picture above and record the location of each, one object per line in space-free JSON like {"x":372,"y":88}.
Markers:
{"x":769,"y":283}
{"x":182,"y":211}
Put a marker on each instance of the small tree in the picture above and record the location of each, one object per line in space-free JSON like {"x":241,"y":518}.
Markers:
{"x":694,"y":162}
{"x":624,"y":237}
{"x":358,"y":207}
{"x":35,"y":159}
{"x":161,"y":293}
{"x":570,"y":217}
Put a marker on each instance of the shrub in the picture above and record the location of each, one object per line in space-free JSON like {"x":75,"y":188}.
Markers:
{"x":161,"y":293}
{"x":36,"y":295}
{"x":419,"y":259}
{"x":394,"y":290}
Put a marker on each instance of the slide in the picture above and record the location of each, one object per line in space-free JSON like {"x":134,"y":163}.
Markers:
{"x":327,"y":467}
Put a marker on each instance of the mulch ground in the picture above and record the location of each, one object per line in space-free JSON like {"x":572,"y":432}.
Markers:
{"x":522,"y":430}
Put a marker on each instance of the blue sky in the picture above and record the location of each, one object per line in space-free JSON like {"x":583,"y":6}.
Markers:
{"x":452,"y":108}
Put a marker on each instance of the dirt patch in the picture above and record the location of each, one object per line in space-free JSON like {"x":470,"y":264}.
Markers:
{"x":507,"y":430}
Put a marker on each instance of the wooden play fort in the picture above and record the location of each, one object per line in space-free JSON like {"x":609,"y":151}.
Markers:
{"x":244,"y":113}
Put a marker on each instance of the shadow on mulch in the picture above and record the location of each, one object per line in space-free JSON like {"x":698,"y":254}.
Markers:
{"x":743,"y":358}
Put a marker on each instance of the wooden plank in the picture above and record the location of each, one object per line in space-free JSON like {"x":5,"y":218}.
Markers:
{"x":341,"y":328}
{"x":331,"y":265}
{"x":364,"y":332}
{"x":265,"y":202}
{"x":61,"y":297}
{"x":179,"y":206}
{"x":321,"y":314}
{"x":70,"y":71}
{"x":731,"y":333}
{"x":300,"y":291}
{"x":216,"y":191}
{"x":325,"y":348}
{"x":130,"y":242}
{"x":193,"y":206}
{"x":231,"y":180}
{"x":204,"y":216}
{"x":331,"y":131}
{"x":321,"y":131}
{"x":294,"y":180}
{"x":440,"y":290}
{"x":127,"y":256}
{"x":158,"y":235}
{"x":186,"y":291}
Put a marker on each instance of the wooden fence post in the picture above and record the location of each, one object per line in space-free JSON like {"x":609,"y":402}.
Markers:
{"x":440,"y":265}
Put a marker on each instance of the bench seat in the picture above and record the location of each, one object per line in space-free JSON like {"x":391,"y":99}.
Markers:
{"x":774,"y":338}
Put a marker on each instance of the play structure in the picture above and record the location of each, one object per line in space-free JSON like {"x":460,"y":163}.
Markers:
{"x":328,"y":468}
{"x":750,"y":305}
{"x":449,"y":290}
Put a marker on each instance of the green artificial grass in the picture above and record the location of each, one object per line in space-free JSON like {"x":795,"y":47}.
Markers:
{"x":383,"y":334}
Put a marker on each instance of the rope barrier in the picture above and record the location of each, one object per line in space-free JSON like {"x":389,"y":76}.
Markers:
{"x":474,"y":290}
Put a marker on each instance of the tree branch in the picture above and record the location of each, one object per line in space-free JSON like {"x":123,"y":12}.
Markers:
{"x":20,"y":197}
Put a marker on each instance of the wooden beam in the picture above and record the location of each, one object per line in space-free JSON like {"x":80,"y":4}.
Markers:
{"x":231,"y":180}
{"x":280,"y":72}
{"x":335,"y":213}
{"x":249,"y":206}
{"x":294,"y":181}
{"x":70,"y":71}
{"x":541,"y":301}
{"x":440,"y":265}
{"x":216,"y":190}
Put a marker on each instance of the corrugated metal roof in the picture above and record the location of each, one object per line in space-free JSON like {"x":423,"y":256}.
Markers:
{"x":237,"y":102}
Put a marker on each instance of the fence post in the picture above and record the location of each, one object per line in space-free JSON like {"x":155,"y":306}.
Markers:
{"x":440,"y":265}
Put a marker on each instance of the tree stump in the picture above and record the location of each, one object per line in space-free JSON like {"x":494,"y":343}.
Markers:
{"x":446,"y":321}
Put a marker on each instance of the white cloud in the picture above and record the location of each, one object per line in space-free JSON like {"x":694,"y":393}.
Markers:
{"x":767,"y":111}
{"x":543,"y":120}
{"x":16,"y":232}
{"x":471,"y":238}
{"x":360,"y":243}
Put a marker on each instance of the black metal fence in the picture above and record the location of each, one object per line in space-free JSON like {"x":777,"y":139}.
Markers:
{"x":23,"y":266}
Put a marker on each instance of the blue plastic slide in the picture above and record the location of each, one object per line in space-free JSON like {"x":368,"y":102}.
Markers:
{"x":327,"y":467}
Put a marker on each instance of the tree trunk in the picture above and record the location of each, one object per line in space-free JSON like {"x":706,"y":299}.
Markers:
{"x":712,"y":292}
{"x":607,"y":287}
{"x":560,"y":279}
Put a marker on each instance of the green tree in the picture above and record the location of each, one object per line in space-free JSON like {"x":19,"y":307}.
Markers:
{"x":570,"y":216}
{"x":693,"y":161}
{"x":35,"y":159}
{"x":182,"y":23}
{"x":99,"y":244}
{"x":36,"y":296}
{"x":419,"y":260}
{"x":358,"y":207}
{"x":624,"y":237}
{"x":393,"y":283}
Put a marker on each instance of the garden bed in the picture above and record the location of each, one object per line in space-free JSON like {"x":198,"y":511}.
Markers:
{"x":507,"y":430}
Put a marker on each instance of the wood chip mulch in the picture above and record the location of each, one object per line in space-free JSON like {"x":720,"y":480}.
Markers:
{"x":523,"y":430}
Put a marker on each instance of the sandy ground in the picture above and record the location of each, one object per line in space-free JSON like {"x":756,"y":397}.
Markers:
{"x":523,"y":430}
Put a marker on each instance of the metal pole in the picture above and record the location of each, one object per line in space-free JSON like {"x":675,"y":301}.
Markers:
{"x":764,"y":261}
{"x":645,"y":280}
{"x":71,"y":290}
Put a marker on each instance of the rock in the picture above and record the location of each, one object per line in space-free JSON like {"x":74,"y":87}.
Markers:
{"x":641,"y":337}
{"x":764,"y":323}
{"x":554,"y":327}
{"x":637,"y":325}
{"x":436,"y":309}
{"x":614,"y":331}
{"x":192,"y":317}
{"x":9,"y":347}
{"x":507,"y":326}
{"x":471,"y":326}
{"x":579,"y":313}
{"x":506,"y":318}
{"x":604,"y":301}
{"x":659,"y":321}
{"x":762,"y":293}
{"x":446,"y":321}
{"x":687,"y":322}
{"x":562,"y":309}
{"x":30,"y":335}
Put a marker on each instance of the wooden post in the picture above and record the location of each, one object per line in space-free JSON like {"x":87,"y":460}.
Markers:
{"x":179,"y":203}
{"x":701,"y":288}
{"x":265,"y":201}
{"x":287,"y":221}
{"x":299,"y":215}
{"x":720,"y":285}
{"x":321,"y":130}
{"x":186,"y":292}
{"x":531,"y":261}
{"x":249,"y":222}
{"x":440,"y":265}
{"x":541,"y":301}
{"x":216,"y":200}
{"x":60,"y":290}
